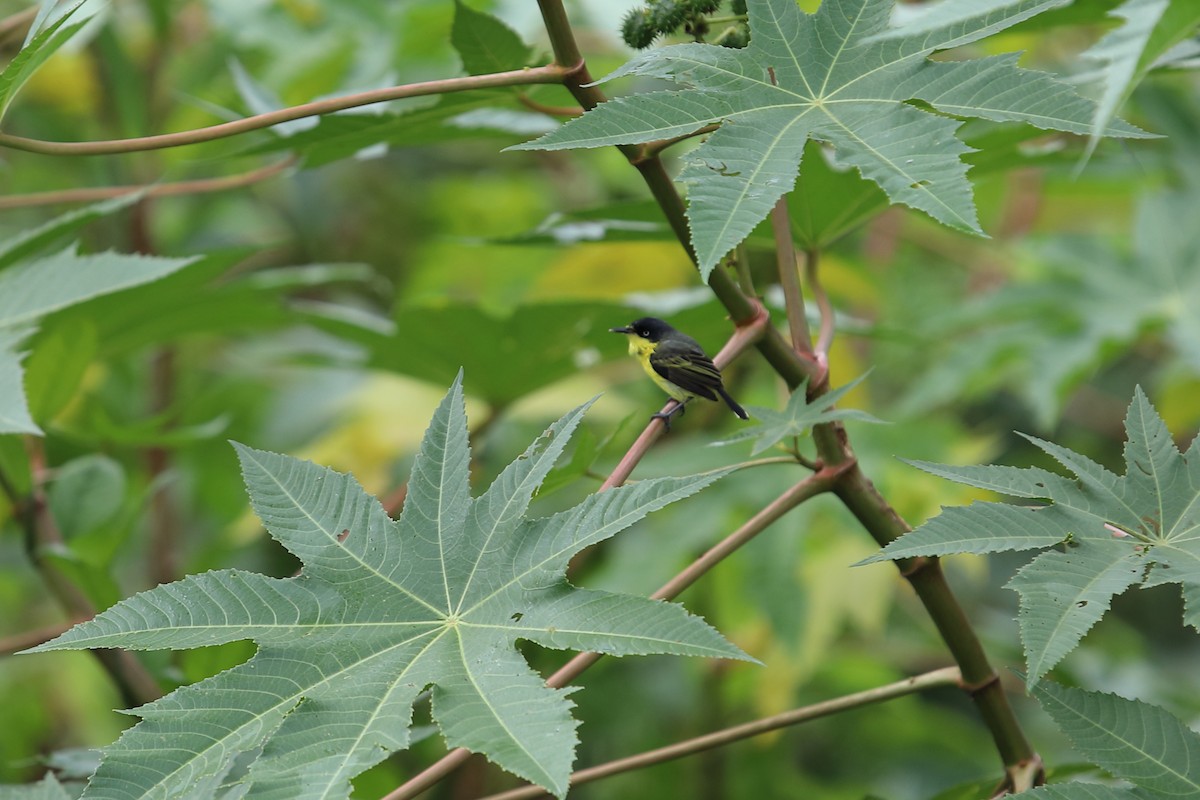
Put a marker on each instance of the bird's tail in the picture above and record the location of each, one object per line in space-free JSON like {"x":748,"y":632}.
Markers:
{"x":733,"y":406}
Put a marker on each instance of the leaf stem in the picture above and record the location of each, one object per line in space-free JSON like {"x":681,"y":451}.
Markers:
{"x":553,"y":111}
{"x":812,"y":261}
{"x":789,"y":279}
{"x":199,"y":186}
{"x":652,"y":149}
{"x":551,"y":73}
{"x":947,"y":676}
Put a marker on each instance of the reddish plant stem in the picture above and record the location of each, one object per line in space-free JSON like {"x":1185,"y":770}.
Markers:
{"x":948,"y":676}
{"x":175,"y":189}
{"x":812,"y":262}
{"x":789,"y":279}
{"x":23,"y":641}
{"x":551,"y":73}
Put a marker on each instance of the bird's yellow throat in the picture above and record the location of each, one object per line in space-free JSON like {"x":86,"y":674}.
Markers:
{"x":642,"y":349}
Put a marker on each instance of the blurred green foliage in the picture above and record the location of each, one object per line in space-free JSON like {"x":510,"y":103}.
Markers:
{"x":333,"y":303}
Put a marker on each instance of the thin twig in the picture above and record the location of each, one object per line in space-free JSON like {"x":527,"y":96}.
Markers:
{"x":789,"y":279}
{"x":948,"y":676}
{"x":812,"y":260}
{"x":17,"y":23}
{"x":199,"y":186}
{"x":553,"y":111}
{"x":551,"y":73}
{"x":652,"y":149}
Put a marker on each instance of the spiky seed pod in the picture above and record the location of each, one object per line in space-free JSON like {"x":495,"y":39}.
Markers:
{"x":735,"y":36}
{"x":705,"y":6}
{"x":737,"y":7}
{"x":668,"y":15}
{"x":637,"y":29}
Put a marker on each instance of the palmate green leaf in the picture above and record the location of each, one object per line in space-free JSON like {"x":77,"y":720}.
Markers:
{"x":1149,"y":29}
{"x":838,"y":76}
{"x":381,"y":610}
{"x":31,"y":289}
{"x":1118,"y":531}
{"x":485,"y":44}
{"x":1133,"y":740}
{"x":798,"y":418}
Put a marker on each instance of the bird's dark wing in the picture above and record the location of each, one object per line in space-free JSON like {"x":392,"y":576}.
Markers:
{"x":687,"y":367}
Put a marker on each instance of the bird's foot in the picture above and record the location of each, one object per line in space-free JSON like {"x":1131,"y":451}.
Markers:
{"x":666,"y":416}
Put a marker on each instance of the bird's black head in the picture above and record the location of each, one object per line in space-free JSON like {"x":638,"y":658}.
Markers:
{"x":649,"y":328}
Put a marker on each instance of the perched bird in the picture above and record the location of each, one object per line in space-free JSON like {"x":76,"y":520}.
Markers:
{"x":676,"y":362}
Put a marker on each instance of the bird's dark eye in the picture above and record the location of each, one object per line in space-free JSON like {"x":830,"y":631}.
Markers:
{"x":645,"y":334}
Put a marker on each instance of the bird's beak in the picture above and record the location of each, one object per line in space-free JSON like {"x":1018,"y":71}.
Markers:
{"x":625,"y":329}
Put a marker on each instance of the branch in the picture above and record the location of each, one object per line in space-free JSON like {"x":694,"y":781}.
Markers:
{"x":947,"y":676}
{"x":199,"y":186}
{"x":810,"y":487}
{"x":17,"y":24}
{"x":136,"y":684}
{"x":551,"y":73}
{"x":23,"y":641}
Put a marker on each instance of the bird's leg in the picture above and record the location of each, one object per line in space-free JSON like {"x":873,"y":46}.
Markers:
{"x":665,"y":416}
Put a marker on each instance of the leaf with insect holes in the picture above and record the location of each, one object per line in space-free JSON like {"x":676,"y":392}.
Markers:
{"x":840,"y":76}
{"x":381,"y":610}
{"x":798,"y":418}
{"x":1116,"y":531}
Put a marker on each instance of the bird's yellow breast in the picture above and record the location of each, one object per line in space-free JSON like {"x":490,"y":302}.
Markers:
{"x":642,"y":349}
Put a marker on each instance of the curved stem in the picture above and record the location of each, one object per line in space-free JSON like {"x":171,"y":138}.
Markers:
{"x":551,"y":73}
{"x":789,"y":279}
{"x":553,"y":111}
{"x":812,"y":260}
{"x":948,"y":676}
{"x":175,"y":189}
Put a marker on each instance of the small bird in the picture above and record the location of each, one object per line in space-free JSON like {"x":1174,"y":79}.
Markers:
{"x":677,"y":363}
